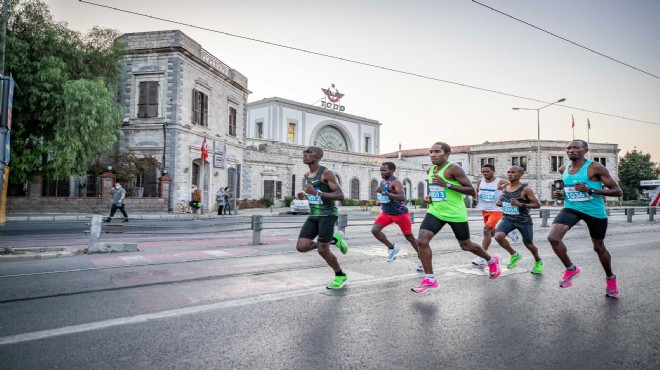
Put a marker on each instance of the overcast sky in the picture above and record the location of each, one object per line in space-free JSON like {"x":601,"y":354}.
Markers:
{"x":452,"y":40}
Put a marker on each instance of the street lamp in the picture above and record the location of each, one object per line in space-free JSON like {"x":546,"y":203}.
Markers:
{"x":538,"y":143}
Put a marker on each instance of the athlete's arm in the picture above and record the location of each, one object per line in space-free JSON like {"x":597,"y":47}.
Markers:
{"x":501,"y":184}
{"x":601,"y":173}
{"x":528,"y":194}
{"x":398,"y":191}
{"x":457,"y":173}
{"x":331,"y":179}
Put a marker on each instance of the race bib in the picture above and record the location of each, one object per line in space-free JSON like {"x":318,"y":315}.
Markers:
{"x":437,"y":193}
{"x":313,"y":198}
{"x":508,"y":209}
{"x":382,"y":198}
{"x":576,"y":196}
{"x":487,"y":195}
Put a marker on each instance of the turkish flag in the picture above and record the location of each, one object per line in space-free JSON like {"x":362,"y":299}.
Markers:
{"x":573,"y":122}
{"x":205,"y":150}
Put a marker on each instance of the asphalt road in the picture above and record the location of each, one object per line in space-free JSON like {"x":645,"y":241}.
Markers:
{"x":232,"y":305}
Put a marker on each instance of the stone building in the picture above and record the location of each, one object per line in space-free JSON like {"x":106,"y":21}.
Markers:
{"x":175,"y":94}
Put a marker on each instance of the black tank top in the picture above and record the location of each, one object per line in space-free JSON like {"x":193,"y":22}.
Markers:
{"x":320,"y":206}
{"x":515,"y":213}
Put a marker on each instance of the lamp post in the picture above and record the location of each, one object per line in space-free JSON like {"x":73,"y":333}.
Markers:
{"x":538,"y":143}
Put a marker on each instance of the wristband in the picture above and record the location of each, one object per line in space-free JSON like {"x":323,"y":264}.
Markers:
{"x":448,"y":186}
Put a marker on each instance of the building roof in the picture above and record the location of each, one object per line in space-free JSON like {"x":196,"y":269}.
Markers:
{"x":423,"y":152}
{"x":311,"y":108}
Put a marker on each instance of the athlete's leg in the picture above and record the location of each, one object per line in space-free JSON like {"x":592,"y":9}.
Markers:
{"x":328,"y":256}
{"x":603,"y":256}
{"x":377,"y":231}
{"x":308,"y":231}
{"x":504,"y":227}
{"x":555,"y":237}
{"x":424,"y":250}
{"x":413,"y":242}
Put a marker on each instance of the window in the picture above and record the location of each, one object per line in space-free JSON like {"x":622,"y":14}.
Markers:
{"x":232,"y":121}
{"x":487,"y":161}
{"x":421,"y":186}
{"x":460,"y":164}
{"x":260,"y":130}
{"x":331,"y":138}
{"x":273,"y":189}
{"x":556,"y":162}
{"x":292,"y":132}
{"x":519,"y":161}
{"x":355,"y":188}
{"x":601,"y":160}
{"x":373,"y":187}
{"x":366,"y":144}
{"x":200,"y":108}
{"x":293,"y":185}
{"x":148,"y":99}
{"x":407,"y":188}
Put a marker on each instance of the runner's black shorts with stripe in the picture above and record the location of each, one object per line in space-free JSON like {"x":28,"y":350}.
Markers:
{"x":321,"y":226}
{"x":597,"y":226}
{"x":433,"y":224}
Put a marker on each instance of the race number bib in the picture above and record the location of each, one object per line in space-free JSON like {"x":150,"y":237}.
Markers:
{"x":382,"y":198}
{"x":508,"y":209}
{"x":576,"y":196}
{"x":313,"y":198}
{"x":487,"y":195}
{"x":437,"y":193}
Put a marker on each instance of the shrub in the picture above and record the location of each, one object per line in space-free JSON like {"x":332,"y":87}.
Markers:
{"x":249,"y":203}
{"x":419,"y":202}
{"x":288,"y":200}
{"x":267,"y":201}
{"x":634,"y":203}
{"x":350,"y":202}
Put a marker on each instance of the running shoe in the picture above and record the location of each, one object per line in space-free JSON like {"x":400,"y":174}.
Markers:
{"x":338,"y":282}
{"x":479,"y":262}
{"x":424,"y":286}
{"x":567,"y":280}
{"x":513,"y":261}
{"x":420,"y":267}
{"x":513,"y":235}
{"x":611,"y":290}
{"x":538,"y":267}
{"x":494,"y":268}
{"x":391,"y":253}
{"x":341,"y":244}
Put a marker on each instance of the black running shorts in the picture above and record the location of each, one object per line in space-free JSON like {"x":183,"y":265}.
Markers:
{"x":433,"y":224}
{"x":321,"y":226}
{"x":597,"y":226}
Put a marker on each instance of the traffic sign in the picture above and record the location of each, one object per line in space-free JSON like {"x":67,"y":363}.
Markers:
{"x":649,"y":183}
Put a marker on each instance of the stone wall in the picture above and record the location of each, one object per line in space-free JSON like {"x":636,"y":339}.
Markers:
{"x":19,"y":205}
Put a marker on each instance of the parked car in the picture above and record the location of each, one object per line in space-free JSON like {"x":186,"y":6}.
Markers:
{"x":299,"y":206}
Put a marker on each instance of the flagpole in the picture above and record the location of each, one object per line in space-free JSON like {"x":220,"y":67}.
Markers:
{"x":588,"y":131}
{"x":573,"y":126}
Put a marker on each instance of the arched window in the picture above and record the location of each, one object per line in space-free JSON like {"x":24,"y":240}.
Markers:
{"x":373,"y":187}
{"x":330,"y":137}
{"x":355,"y":188}
{"x":421,"y":189}
{"x":407,"y":189}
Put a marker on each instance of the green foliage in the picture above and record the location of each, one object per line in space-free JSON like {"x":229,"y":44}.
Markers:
{"x":267,"y":201}
{"x":420,"y":202}
{"x":288,"y":200}
{"x":350,"y":202}
{"x":65,"y":111}
{"x":635,"y":166}
{"x":127,"y":166}
{"x":633,"y":203}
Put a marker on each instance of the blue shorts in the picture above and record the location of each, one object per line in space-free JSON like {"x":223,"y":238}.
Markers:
{"x":526,"y":229}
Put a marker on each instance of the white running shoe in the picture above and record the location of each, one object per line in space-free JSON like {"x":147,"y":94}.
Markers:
{"x":391,"y":253}
{"x":479,"y":262}
{"x":513,"y":236}
{"x":420,"y":267}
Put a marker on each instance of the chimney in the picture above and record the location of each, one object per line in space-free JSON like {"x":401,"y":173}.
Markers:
{"x":399,"y":150}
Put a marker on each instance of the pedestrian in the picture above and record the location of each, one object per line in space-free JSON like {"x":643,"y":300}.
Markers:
{"x":585,"y":184}
{"x":220,"y":199}
{"x":391,"y":197}
{"x":227,"y":209}
{"x":196,"y":202}
{"x":447,"y":184}
{"x":321,"y":189}
{"x":118,"y":202}
{"x":516,"y":200}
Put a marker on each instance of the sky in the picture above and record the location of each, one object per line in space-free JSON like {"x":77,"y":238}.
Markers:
{"x":459,"y":41}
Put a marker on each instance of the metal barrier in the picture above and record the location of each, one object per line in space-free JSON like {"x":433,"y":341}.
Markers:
{"x":257,"y":226}
{"x":412,"y":218}
{"x":629,"y":213}
{"x":545,"y":215}
{"x":342,"y":222}
{"x":651,"y":211}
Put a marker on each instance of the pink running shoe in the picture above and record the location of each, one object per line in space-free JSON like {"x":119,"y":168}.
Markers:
{"x":567,"y":280}
{"x":611,"y":290}
{"x":494,"y":267}
{"x":424,"y":285}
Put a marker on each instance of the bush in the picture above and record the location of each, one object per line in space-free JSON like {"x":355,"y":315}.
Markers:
{"x":267,"y":201}
{"x":634,"y":203}
{"x":288,"y":200}
{"x":248,"y":203}
{"x":419,"y":202}
{"x":350,"y":202}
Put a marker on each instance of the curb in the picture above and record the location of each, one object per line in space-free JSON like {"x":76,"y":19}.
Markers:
{"x":22,"y":254}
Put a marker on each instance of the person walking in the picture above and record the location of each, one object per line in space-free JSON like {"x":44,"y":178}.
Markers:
{"x":196,"y":202}
{"x":391,"y":197}
{"x":585,"y":184}
{"x":321,"y":189}
{"x":447,"y":184}
{"x":220,"y":200}
{"x":516,"y":200}
{"x":118,"y":202}
{"x":227,"y":209}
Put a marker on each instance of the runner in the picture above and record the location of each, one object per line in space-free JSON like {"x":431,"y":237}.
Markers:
{"x":516,"y":200}
{"x":585,"y":184}
{"x":489,"y":190}
{"x":322,"y":190}
{"x":447,"y":184}
{"x":391,"y":196}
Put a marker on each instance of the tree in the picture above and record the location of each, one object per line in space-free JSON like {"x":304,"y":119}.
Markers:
{"x":635,"y":166}
{"x":65,"y":113}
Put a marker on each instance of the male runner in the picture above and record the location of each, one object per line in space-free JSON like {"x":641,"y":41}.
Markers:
{"x":390,"y":194}
{"x":585,"y":184}
{"x":447,"y":184}
{"x":489,"y":190}
{"x":322,"y":189}
{"x":517,"y":198}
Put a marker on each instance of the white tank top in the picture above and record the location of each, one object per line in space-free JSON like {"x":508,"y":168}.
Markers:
{"x":488,"y":195}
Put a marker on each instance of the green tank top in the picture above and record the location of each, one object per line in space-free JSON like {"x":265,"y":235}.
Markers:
{"x":446,"y":204}
{"x":319,"y":206}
